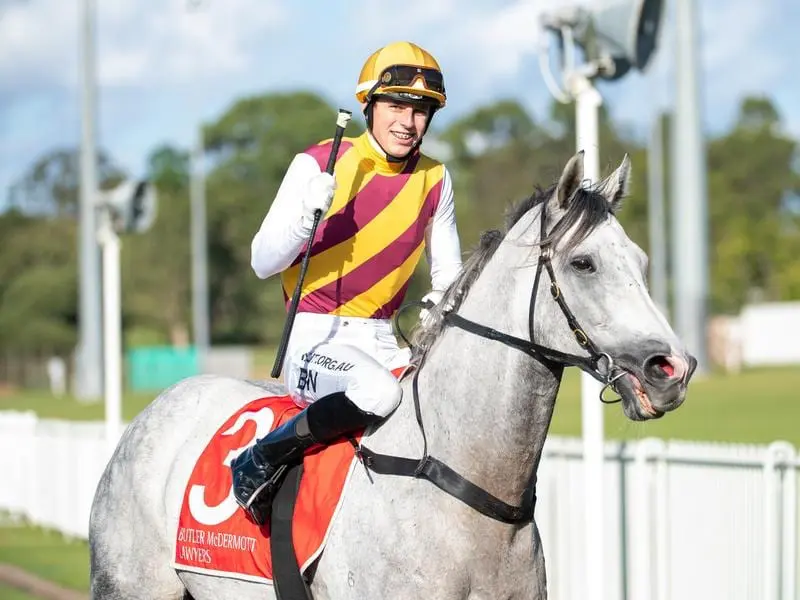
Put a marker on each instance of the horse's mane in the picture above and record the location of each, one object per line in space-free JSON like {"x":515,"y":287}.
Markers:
{"x":587,"y":209}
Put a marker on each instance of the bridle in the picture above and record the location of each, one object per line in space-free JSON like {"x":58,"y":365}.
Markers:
{"x":591,"y":364}
{"x":446,"y":478}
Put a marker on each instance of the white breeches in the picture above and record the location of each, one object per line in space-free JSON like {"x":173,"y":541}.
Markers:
{"x":328,"y":354}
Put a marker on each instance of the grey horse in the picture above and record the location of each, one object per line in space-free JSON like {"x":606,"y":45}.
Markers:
{"x":563,"y":286}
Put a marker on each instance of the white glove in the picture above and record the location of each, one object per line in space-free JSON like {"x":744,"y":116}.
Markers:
{"x":434,"y":296}
{"x":319,"y":195}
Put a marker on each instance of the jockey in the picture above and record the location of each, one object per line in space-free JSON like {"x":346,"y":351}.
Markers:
{"x":386,"y":204}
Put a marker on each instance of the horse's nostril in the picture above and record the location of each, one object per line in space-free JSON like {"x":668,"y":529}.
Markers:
{"x":660,"y":367}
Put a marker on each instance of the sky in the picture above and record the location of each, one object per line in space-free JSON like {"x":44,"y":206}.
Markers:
{"x":164,"y":66}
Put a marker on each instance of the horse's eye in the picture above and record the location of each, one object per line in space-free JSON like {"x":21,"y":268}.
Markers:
{"x":583,"y":264}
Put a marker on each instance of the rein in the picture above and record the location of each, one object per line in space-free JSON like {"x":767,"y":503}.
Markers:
{"x":445,"y":478}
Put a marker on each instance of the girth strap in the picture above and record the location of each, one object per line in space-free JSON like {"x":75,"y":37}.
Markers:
{"x":451,"y":482}
{"x":288,"y":581}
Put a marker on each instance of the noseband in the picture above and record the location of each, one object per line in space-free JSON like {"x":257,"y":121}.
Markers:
{"x":446,"y":478}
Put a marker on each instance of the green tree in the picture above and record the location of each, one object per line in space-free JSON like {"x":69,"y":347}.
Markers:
{"x":501,"y":155}
{"x":156,"y":265}
{"x":749,"y":175}
{"x":38,"y":283}
{"x":51,"y":185}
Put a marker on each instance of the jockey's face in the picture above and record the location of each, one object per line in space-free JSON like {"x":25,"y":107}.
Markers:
{"x":397,"y":126}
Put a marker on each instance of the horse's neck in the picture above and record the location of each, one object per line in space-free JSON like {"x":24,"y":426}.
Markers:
{"x":485,"y":408}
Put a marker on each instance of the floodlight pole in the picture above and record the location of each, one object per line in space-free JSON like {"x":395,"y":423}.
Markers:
{"x":112,"y":328}
{"x":690,"y":203}
{"x":580,"y":89}
{"x":201,"y":319}
{"x":88,"y":367}
{"x":199,"y":246}
{"x":609,"y":54}
{"x":587,"y":104}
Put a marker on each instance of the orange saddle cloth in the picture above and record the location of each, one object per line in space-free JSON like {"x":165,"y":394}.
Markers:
{"x":215,"y":536}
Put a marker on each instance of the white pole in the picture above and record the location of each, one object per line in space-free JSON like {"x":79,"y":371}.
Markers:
{"x":112,"y":332}
{"x":201,"y":312}
{"x":789,"y":529}
{"x":199,"y":246}
{"x":689,"y":201}
{"x":88,"y":375}
{"x":588,"y":101}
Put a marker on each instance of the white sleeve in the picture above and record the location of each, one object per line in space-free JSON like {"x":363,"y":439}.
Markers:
{"x":443,"y":246}
{"x":281,"y":235}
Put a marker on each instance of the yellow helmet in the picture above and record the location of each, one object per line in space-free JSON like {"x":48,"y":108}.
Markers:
{"x":404,"y":71}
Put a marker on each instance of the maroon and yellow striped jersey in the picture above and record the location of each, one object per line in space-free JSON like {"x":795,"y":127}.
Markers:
{"x":372,"y":238}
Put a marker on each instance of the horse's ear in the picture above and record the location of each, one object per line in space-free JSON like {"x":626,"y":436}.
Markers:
{"x":616,"y":186}
{"x":570,"y":180}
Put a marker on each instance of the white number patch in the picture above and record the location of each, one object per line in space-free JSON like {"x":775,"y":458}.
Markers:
{"x":214,"y":515}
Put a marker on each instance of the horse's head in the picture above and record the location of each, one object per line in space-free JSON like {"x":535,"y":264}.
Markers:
{"x":590,"y":293}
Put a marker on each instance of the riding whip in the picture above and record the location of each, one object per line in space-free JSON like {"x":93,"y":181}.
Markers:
{"x":341,"y":123}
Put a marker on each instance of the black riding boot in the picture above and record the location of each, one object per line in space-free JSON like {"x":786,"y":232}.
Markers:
{"x":257,"y":472}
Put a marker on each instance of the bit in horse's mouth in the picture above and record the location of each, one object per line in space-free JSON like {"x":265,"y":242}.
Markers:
{"x":641,"y":396}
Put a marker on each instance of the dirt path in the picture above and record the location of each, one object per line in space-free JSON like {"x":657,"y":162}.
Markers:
{"x":31,"y":584}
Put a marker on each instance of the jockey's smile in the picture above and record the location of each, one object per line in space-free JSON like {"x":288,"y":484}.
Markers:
{"x":398,"y":126}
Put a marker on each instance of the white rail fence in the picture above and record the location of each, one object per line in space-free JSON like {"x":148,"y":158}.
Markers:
{"x":683,"y":521}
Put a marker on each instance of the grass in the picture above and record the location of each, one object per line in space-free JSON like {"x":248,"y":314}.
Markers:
{"x":68,"y":408}
{"x":263,"y":359}
{"x":44,"y":404}
{"x":44,"y":553}
{"x":754,"y":406}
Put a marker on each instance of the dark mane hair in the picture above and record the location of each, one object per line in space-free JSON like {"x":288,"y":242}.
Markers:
{"x":587,"y":209}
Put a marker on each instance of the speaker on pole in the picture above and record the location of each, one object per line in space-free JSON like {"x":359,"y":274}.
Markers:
{"x":132,"y":206}
{"x":617,"y":35}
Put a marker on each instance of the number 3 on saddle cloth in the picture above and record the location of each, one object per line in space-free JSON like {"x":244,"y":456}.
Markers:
{"x":215,"y":536}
